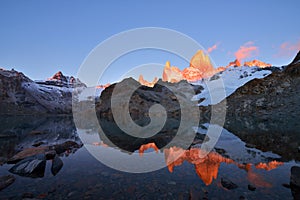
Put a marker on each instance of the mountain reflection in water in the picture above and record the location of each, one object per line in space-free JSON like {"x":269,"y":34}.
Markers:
{"x":207,"y":167}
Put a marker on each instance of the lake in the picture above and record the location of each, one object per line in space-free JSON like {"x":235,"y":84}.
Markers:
{"x":233,"y":170}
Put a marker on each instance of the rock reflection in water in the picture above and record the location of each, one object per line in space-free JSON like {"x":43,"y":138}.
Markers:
{"x":29,"y":141}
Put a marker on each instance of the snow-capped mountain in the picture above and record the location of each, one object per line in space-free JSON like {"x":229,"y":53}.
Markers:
{"x":226,"y":82}
{"x":59,"y":79}
{"x":266,"y":111}
{"x":21,"y":95}
{"x":218,"y":83}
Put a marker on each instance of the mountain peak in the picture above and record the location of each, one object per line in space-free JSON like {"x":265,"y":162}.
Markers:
{"x":147,"y":83}
{"x":235,"y":63}
{"x":294,"y":67}
{"x":59,"y":77}
{"x":200,"y":67}
{"x":257,"y":63}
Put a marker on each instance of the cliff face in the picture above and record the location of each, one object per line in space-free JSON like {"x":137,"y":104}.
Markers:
{"x":20,"y":95}
{"x":200,"y":67}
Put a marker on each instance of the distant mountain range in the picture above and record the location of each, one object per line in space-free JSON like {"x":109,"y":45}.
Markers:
{"x":20,"y":95}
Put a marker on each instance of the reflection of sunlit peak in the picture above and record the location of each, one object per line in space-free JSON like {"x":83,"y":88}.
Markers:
{"x":100,"y":144}
{"x":269,"y":166}
{"x":145,"y":147}
{"x":206,"y":168}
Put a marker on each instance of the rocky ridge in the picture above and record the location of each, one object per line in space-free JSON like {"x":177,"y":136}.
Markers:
{"x":265,"y":112}
{"x":21,"y":95}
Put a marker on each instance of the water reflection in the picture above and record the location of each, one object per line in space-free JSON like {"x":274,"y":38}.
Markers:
{"x":27,"y":142}
{"x":231,"y":158}
{"x":207,"y":167}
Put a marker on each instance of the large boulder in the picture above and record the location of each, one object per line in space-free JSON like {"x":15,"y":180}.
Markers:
{"x":33,"y":166}
{"x":57,"y":164}
{"x":295,"y":176}
{"x":27,"y":153}
{"x":295,"y":182}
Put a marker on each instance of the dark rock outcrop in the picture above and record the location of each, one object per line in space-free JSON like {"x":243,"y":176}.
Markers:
{"x":295,"y":182}
{"x":144,"y":97}
{"x":228,"y":184}
{"x":27,"y":153}
{"x":33,"y":166}
{"x":57,"y":164}
{"x":66,"y":146}
{"x":295,"y":176}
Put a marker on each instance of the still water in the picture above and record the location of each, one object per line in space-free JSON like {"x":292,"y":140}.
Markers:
{"x":233,"y":170}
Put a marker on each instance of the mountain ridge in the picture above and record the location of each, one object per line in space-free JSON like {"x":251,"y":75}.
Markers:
{"x":21,"y":95}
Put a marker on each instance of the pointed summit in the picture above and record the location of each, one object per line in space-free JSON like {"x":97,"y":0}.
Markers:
{"x":201,"y":61}
{"x":171,"y":74}
{"x":235,"y":63}
{"x":58,"y":77}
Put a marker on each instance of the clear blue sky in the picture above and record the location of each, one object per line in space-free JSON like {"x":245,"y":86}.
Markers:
{"x":41,"y":37}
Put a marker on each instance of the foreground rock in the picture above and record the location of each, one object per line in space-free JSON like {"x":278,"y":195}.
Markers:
{"x":27,"y":153}
{"x":48,"y":151}
{"x":57,"y":164}
{"x":228,"y":184}
{"x":66,"y":146}
{"x":295,"y":182}
{"x":6,"y":181}
{"x":295,"y":176}
{"x":33,"y":166}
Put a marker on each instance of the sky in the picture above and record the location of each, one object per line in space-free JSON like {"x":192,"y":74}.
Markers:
{"x":40,"y":38}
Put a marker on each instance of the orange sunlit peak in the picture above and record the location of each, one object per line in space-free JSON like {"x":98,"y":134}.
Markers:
{"x":103,"y":86}
{"x":171,"y":74}
{"x":201,"y":66}
{"x":257,"y":63}
{"x":145,"y":147}
{"x":147,"y":83}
